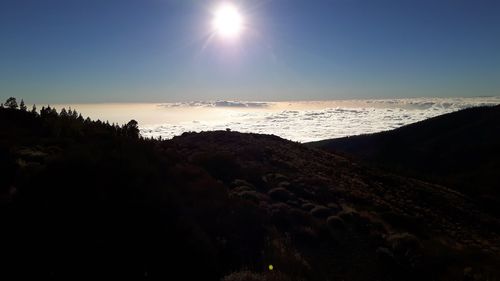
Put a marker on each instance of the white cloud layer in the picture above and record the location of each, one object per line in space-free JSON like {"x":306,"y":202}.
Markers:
{"x":308,"y":121}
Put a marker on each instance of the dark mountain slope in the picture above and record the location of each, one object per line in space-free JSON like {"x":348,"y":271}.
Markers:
{"x":85,"y":199}
{"x":460,"y":150}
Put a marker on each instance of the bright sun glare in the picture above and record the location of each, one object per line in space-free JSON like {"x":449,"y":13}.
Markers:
{"x":228,"y":21}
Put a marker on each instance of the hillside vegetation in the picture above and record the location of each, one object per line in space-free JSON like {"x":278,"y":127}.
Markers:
{"x":83,"y":198}
{"x":460,"y":150}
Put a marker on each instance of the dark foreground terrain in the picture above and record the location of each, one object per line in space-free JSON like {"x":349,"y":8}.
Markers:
{"x":87,"y":199}
{"x":460,"y":150}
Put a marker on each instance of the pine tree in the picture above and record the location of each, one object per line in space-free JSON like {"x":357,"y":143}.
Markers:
{"x":63,"y":113}
{"x":33,"y":110}
{"x":22,"y":106}
{"x":11,"y":103}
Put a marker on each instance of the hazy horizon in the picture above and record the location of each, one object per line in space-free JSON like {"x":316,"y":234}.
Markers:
{"x":294,"y":120}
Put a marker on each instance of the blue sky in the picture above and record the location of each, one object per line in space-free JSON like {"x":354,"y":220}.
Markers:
{"x":84,"y":51}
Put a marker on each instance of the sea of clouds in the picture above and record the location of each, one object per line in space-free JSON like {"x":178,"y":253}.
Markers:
{"x":308,"y":121}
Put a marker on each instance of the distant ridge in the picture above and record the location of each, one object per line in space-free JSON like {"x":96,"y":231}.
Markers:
{"x":460,"y":150}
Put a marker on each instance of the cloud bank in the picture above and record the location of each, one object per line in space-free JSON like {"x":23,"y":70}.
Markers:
{"x":299,"y":121}
{"x":239,"y":104}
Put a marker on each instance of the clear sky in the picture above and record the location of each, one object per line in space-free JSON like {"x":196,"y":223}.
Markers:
{"x":79,"y":51}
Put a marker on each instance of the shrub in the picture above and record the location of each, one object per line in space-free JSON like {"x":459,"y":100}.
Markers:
{"x":320,"y":212}
{"x":240,"y":182}
{"x":405,"y":248}
{"x":243,"y":188}
{"x":252,"y":196}
{"x":308,"y":206}
{"x":280,"y":194}
{"x":334,"y":207}
{"x":349,"y":216}
{"x":247,"y":275}
{"x":335,"y":222}
{"x":283,"y":255}
{"x":405,"y":222}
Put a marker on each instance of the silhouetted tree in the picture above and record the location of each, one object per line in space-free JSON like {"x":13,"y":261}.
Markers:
{"x":132,"y":129}
{"x":33,"y":110}
{"x":11,"y":103}
{"x":22,"y":106}
{"x":48,"y":112}
{"x":1,"y":105}
{"x":44,"y":111}
{"x":64,"y":113}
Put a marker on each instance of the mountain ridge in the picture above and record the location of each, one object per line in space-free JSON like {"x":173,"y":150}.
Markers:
{"x":459,"y":150}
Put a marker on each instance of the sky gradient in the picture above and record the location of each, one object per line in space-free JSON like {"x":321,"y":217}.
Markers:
{"x":76,"y":51}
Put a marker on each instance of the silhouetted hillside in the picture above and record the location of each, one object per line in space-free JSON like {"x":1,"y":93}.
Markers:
{"x":87,"y":199}
{"x":460,"y":150}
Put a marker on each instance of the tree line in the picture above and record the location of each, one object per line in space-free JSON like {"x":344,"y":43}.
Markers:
{"x":70,"y":117}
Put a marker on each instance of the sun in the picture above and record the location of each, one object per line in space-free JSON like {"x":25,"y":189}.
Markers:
{"x":227,"y":22}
